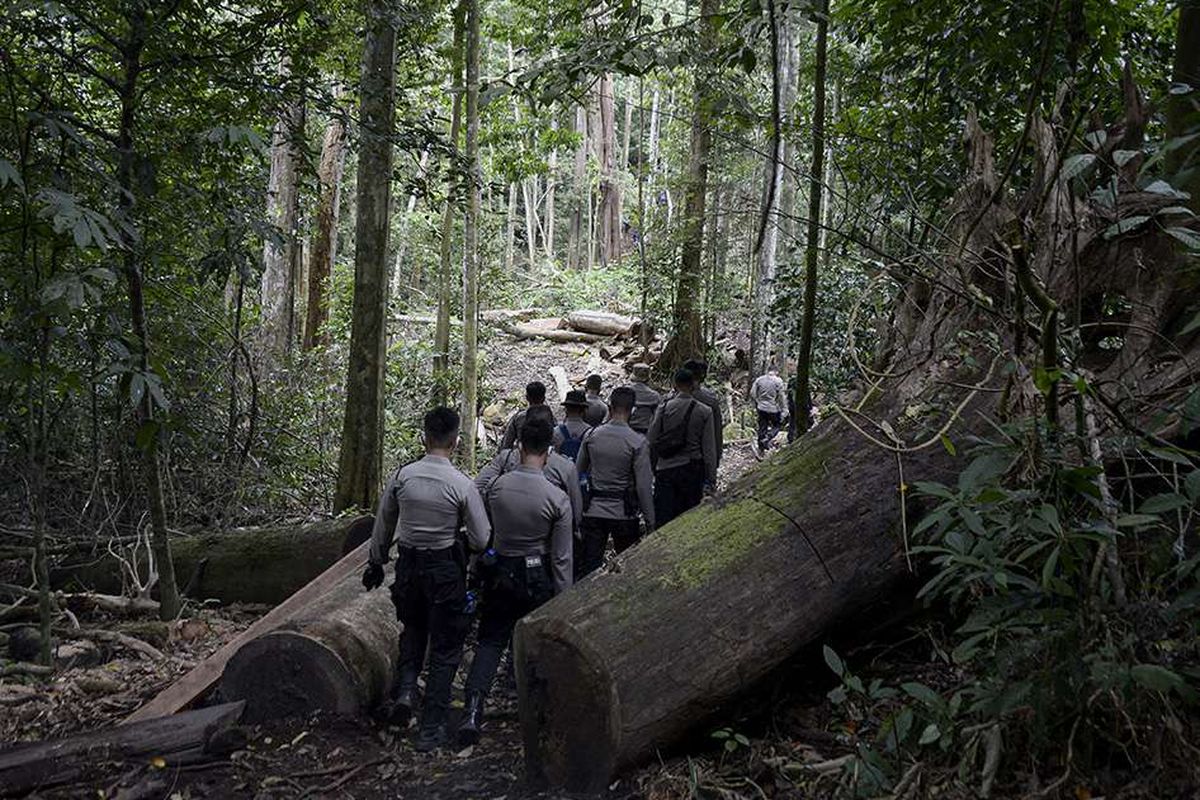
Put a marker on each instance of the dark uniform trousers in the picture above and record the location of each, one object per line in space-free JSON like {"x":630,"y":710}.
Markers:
{"x":511,"y":591}
{"x":769,"y":423}
{"x":596,"y":530}
{"x":676,"y":490}
{"x":430,"y":596}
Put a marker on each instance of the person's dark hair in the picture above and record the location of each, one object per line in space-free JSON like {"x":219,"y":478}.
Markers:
{"x":594,"y":382}
{"x":536,"y":435}
{"x":535,"y":393}
{"x":684,"y":379}
{"x":540,"y":414}
{"x":697,"y":367}
{"x":441,"y":427}
{"x":622,"y":399}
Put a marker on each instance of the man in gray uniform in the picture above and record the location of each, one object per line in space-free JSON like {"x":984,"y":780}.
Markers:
{"x":683,"y":450}
{"x":559,"y":469}
{"x":769,"y":396}
{"x":709,"y":398}
{"x":616,"y":460}
{"x":423,"y":507}
{"x":569,"y":433}
{"x":597,"y":409}
{"x":535,"y":396}
{"x":646,"y":400}
{"x":533,"y":549}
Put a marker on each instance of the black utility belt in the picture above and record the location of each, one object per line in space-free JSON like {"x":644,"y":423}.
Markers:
{"x":534,"y":561}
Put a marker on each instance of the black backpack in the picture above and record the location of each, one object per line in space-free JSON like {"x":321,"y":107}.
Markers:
{"x":672,"y":440}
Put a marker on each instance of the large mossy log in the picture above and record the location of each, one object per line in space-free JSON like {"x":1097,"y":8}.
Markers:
{"x":629,"y":661}
{"x":246,"y":565}
{"x":335,"y":655}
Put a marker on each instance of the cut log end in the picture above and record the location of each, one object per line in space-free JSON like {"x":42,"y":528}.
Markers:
{"x":286,"y":673}
{"x":569,"y":712}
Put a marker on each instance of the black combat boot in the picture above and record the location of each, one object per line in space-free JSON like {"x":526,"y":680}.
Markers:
{"x":472,"y":724}
{"x":401,"y":704}
{"x":431,"y":736}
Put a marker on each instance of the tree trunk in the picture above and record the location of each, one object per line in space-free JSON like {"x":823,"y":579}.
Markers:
{"x":688,"y":340}
{"x":324,"y":247}
{"x":336,"y":655}
{"x":1183,"y":163}
{"x":410,"y":207}
{"x":626,"y":135}
{"x":603,"y":682}
{"x":131,"y":57}
{"x":802,"y":419}
{"x":582,"y":191}
{"x":510,"y":230}
{"x":777,"y":180}
{"x":441,"y":337}
{"x":471,"y":240}
{"x":243,"y":565}
{"x":360,"y":466}
{"x":279,"y":250}
{"x":551,"y":184}
{"x":608,"y":214}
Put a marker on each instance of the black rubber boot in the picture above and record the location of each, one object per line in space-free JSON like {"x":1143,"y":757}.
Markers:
{"x":472,"y":724}
{"x":401,"y":705}
{"x":431,"y":737}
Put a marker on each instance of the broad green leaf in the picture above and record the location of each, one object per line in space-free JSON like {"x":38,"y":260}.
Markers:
{"x":922,"y":693}
{"x":1155,"y":678}
{"x":1077,"y":164}
{"x":1161,"y":503}
{"x":949,"y":445}
{"x":1123,"y":157}
{"x":931,"y":734}
{"x":1189,"y":238}
{"x":834,"y":662}
{"x":1136,"y":520}
{"x":1125,"y":225}
{"x":9,"y":174}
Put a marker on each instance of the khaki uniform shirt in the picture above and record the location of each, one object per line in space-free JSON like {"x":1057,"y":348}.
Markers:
{"x":645,"y":402}
{"x":700,"y":444}
{"x":597,"y":410}
{"x":710,"y":399}
{"x":559,"y":470}
{"x":423,"y":507}
{"x":617,"y":458}
{"x":532,"y":518}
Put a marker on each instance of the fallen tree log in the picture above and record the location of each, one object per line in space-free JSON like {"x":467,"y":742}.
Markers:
{"x":560,"y":335}
{"x":204,"y":675}
{"x":177,"y":740}
{"x":604,"y":323}
{"x":629,"y":661}
{"x":246,"y":565}
{"x":335,"y":654}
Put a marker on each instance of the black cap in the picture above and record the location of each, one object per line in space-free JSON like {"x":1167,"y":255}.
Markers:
{"x":576,"y":398}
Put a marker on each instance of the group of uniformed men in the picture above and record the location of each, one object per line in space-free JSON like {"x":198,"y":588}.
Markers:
{"x":537,"y":518}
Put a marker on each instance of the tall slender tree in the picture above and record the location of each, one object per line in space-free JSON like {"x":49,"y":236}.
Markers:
{"x":441,"y":337}
{"x":360,"y":465}
{"x":471,"y":238}
{"x":324,"y":247}
{"x":283,"y":204}
{"x":803,"y":391}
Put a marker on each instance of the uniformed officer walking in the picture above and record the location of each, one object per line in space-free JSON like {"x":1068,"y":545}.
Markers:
{"x":597,"y":409}
{"x":616,"y":460}
{"x":769,"y":397}
{"x":646,"y":400}
{"x":683,"y":451}
{"x":422,"y":508}
{"x":533,"y":551}
{"x":569,"y":433}
{"x":559,"y":469}
{"x":535,"y":396}
{"x":707,"y":396}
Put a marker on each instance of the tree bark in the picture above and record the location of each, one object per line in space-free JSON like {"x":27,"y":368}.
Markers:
{"x":582,"y":195}
{"x":803,"y":398}
{"x":608,"y":214}
{"x":131,"y":63}
{"x":279,"y":254}
{"x":324,"y":247}
{"x":410,"y":207}
{"x":243,"y":565}
{"x":551,"y":184}
{"x":336,"y":655}
{"x":441,"y":337}
{"x":360,"y":466}
{"x":1183,"y":163}
{"x":688,"y":340}
{"x":603,"y":681}
{"x":603,"y":322}
{"x":471,"y":239}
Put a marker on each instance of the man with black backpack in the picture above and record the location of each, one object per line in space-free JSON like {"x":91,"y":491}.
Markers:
{"x":569,"y":433}
{"x":683,"y":450}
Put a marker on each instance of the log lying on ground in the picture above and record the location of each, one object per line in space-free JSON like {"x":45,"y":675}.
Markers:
{"x":336,"y":654}
{"x":204,"y":675}
{"x":177,"y":740}
{"x":529,"y":331}
{"x":629,"y":661}
{"x":603,"y":322}
{"x":246,"y":565}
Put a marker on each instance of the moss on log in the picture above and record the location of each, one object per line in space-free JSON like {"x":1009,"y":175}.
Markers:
{"x":629,"y":661}
{"x":246,"y":565}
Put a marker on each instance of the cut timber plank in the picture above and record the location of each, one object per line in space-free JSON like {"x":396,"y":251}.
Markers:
{"x":560,"y":381}
{"x":184,"y":691}
{"x":180,"y":739}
